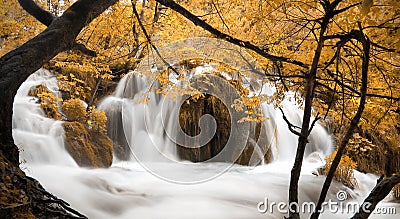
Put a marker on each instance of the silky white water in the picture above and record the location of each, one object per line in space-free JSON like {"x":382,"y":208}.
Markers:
{"x":130,"y":189}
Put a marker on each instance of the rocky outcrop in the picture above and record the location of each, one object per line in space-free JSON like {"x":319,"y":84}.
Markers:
{"x":14,"y":202}
{"x":190,"y":113}
{"x":116,"y":132}
{"x":89,"y":148}
{"x":48,"y":101}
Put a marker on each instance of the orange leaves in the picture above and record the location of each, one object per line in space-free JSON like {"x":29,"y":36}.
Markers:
{"x":74,"y":110}
{"x":366,"y":6}
{"x":97,"y":120}
{"x":344,"y":172}
{"x":16,"y":26}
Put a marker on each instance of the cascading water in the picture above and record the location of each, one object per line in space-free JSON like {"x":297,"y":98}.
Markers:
{"x":31,"y":126}
{"x":127,"y":120}
{"x":130,"y":190}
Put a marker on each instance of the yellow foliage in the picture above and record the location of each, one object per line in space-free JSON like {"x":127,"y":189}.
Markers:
{"x":74,"y":110}
{"x":281,"y":28}
{"x":16,"y":26}
{"x":48,"y":101}
{"x":344,"y":172}
{"x":367,"y":155}
{"x":396,"y":192}
{"x":97,"y":120}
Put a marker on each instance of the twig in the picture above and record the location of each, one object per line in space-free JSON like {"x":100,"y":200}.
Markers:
{"x":149,"y":39}
{"x":314,"y":122}
{"x":199,"y":22}
{"x":219,"y":14}
{"x":83,"y":49}
{"x":290,"y":125}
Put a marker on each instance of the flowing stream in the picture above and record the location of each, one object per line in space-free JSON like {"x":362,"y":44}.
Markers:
{"x":154,"y":183}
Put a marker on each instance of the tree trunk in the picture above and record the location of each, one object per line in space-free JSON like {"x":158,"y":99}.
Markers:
{"x":353,"y":124}
{"x":18,"y":64}
{"x":303,"y":138}
{"x":381,"y":190}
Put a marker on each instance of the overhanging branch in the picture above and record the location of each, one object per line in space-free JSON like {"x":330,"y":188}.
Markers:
{"x":289,"y":124}
{"x":198,"y":22}
{"x":37,"y":12}
{"x":47,"y":18}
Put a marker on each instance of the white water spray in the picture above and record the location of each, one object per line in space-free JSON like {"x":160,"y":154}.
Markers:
{"x":127,"y":190}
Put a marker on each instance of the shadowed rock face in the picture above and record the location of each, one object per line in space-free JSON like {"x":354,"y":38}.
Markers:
{"x":121,"y":149}
{"x":189,"y":116}
{"x":88,"y":148}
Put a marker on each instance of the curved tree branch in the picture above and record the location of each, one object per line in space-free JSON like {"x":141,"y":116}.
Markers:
{"x":18,"y":64}
{"x":217,"y":33}
{"x":46,"y":18}
{"x":37,"y":12}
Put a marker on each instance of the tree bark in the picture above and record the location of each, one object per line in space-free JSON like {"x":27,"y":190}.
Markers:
{"x":381,"y":190}
{"x":18,"y":64}
{"x":353,"y":124}
{"x":303,"y":138}
{"x":37,"y":12}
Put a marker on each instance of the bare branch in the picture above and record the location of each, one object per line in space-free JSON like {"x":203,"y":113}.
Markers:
{"x":384,"y":48}
{"x":219,"y":14}
{"x":353,"y":123}
{"x":37,"y":12}
{"x":338,"y":11}
{"x":290,"y":125}
{"x":149,"y":39}
{"x":83,"y":49}
{"x":314,"y":122}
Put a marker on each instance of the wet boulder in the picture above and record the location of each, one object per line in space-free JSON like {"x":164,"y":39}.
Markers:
{"x":89,"y":148}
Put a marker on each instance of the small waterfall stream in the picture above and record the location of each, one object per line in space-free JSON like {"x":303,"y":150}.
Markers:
{"x":129,"y":189}
{"x":31,"y":126}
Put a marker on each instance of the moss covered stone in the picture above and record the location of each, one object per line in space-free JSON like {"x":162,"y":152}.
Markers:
{"x":89,"y":148}
{"x":48,"y":101}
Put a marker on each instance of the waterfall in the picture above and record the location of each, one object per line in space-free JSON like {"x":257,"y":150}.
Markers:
{"x":133,"y":125}
{"x":139,"y":127}
{"x":130,"y":189}
{"x":31,"y":127}
{"x":284,"y":143}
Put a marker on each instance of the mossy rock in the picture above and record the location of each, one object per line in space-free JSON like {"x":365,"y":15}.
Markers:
{"x":49,"y":105}
{"x":376,"y":152}
{"x":257,"y":147}
{"x":38,"y":89}
{"x":88,"y":148}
